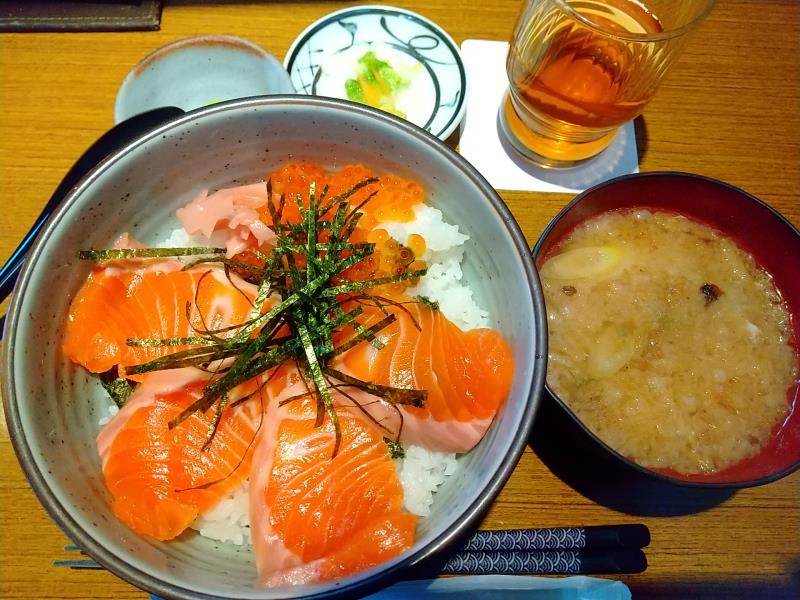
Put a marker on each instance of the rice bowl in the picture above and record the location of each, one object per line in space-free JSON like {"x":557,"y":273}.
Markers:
{"x":226,"y":145}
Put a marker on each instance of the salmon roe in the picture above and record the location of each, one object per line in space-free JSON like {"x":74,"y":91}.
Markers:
{"x":294,"y":180}
{"x":391,"y":198}
{"x":417,"y":244}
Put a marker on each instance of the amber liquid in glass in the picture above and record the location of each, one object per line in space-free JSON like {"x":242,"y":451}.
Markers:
{"x":568,"y":99}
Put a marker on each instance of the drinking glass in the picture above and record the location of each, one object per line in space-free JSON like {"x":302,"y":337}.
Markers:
{"x":579,"y":69}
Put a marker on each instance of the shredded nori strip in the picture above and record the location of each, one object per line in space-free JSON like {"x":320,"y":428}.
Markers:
{"x":395,"y":449}
{"x":158,"y":342}
{"x":306,"y":270}
{"x":392,"y":395}
{"x":427,"y":302}
{"x":123,"y":253}
{"x":119,"y":388}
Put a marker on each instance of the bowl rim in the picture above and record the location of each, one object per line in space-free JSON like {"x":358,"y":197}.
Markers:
{"x":467,"y":520}
{"x":573,"y":417}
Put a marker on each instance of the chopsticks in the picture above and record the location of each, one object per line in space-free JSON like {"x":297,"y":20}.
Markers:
{"x":609,"y":549}
{"x":559,"y":538}
{"x":76,"y":563}
{"x":561,"y":550}
{"x":554,"y":562}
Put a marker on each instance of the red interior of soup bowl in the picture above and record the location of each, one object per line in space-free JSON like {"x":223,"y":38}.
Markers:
{"x":758,"y":229}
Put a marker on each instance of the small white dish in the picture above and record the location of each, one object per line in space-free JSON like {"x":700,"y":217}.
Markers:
{"x":198,"y":71}
{"x":329,"y":58}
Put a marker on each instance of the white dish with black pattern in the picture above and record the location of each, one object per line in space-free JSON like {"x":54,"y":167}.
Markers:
{"x":321,"y":60}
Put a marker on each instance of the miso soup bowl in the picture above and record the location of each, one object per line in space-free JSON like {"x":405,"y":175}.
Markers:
{"x":758,"y":229}
{"x":52,"y":407}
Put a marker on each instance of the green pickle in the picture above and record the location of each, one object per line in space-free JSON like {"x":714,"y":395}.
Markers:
{"x":376,"y":84}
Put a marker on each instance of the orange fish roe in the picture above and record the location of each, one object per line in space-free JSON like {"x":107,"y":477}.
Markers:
{"x":392,"y":199}
{"x":291,"y":180}
{"x":378,"y":236}
{"x":390,"y":258}
{"x":417,"y":244}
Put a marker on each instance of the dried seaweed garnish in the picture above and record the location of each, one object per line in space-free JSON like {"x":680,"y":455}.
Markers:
{"x":427,"y":302}
{"x":119,"y":388}
{"x":306,"y":269}
{"x":392,"y":395}
{"x":367,"y":333}
{"x":125,"y":253}
{"x":158,"y":342}
{"x":395,"y":449}
{"x":358,"y":286}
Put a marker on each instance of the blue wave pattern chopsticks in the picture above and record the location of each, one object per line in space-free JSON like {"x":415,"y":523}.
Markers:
{"x":559,"y":538}
{"x":556,"y":561}
{"x":609,"y":549}
{"x":526,"y":539}
{"x":553,"y":562}
{"x":563,"y":550}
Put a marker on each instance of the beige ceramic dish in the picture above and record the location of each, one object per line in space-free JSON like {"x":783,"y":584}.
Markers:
{"x":198,"y":71}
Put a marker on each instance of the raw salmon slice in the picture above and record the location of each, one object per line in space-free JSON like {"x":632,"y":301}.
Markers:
{"x":467,"y":375}
{"x":315,"y":517}
{"x":116,"y":304}
{"x":161,"y":479}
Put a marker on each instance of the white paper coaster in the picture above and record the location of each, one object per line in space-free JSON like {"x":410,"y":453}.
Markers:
{"x":485,"y":147}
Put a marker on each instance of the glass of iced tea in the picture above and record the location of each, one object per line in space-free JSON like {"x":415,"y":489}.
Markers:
{"x":579,"y":69}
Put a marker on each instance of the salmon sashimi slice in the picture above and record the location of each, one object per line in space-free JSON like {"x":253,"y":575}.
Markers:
{"x":116,"y":304}
{"x":316,"y":517}
{"x":160,"y":478}
{"x":467,"y":375}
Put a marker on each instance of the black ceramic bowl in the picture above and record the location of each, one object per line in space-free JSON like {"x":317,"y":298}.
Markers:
{"x":757,"y":228}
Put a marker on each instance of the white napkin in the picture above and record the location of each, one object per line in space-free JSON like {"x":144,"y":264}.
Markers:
{"x":483,"y":146}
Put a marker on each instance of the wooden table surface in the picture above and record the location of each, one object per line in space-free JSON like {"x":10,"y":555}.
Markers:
{"x":730,"y":109}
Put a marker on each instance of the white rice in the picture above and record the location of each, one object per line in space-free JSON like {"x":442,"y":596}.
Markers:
{"x":178,"y":238}
{"x":422,"y":471}
{"x":228,"y":521}
{"x":443,"y":253}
